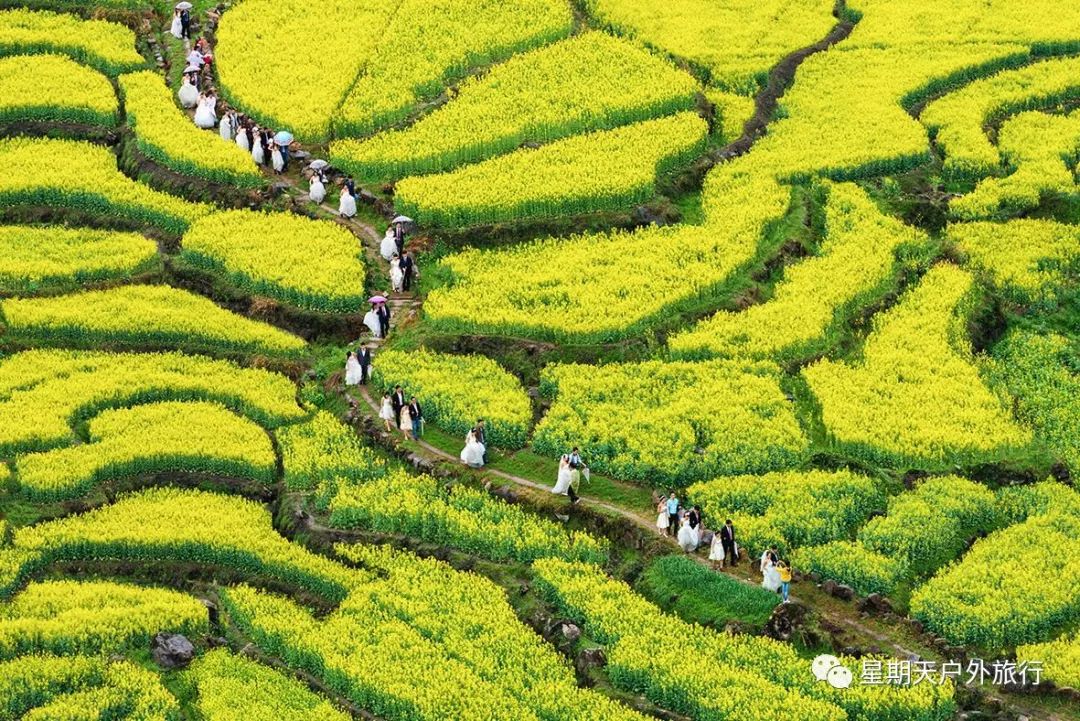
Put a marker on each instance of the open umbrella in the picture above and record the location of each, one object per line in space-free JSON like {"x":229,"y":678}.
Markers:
{"x":191,"y":69}
{"x":376,"y":299}
{"x":184,"y":6}
{"x":402,"y":219}
{"x":318,"y":164}
{"x":284,"y":137}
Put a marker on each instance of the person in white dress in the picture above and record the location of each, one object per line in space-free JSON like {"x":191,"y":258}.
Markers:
{"x":397,"y":277}
{"x":353,"y":372}
{"x":205,"y":117}
{"x":562,"y":482}
{"x":317,"y":189}
{"x":177,"y":27}
{"x":662,"y":520}
{"x":257,"y":153}
{"x":765,"y":558}
{"x":771,"y":576}
{"x":473,"y":452}
{"x":373,"y":323}
{"x":347,"y":204}
{"x":716,"y":552}
{"x":687,"y":536}
{"x":386,"y":411}
{"x":195,"y":59}
{"x":242,"y":138}
{"x":388,"y":246}
{"x":188,"y":93}
{"x":276,"y":158}
{"x":227,"y":126}
{"x":406,"y":422}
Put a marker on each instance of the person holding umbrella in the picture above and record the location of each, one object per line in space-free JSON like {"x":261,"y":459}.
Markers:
{"x":384,"y":318}
{"x":185,"y":19}
{"x":284,"y":139}
{"x":399,"y":232}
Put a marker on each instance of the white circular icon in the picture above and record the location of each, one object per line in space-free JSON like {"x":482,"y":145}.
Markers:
{"x":839,"y":677}
{"x":823,"y":664}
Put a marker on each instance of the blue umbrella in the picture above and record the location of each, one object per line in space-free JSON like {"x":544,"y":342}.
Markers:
{"x":284,"y":137}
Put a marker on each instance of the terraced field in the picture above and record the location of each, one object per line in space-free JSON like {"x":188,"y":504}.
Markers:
{"x":812,"y":267}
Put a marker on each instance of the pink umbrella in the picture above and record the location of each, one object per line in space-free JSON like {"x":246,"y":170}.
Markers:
{"x":376,"y":299}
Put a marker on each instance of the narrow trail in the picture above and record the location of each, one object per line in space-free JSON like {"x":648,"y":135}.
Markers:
{"x":405,"y":306}
{"x":435,"y":453}
{"x":781,"y":76}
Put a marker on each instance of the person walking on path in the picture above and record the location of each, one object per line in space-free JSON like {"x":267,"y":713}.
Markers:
{"x":406,"y":423}
{"x":353,"y":371}
{"x":397,"y":398}
{"x":416,"y":413}
{"x":688,"y":537}
{"x":562,"y":481}
{"x":770,"y":574}
{"x":185,"y":24}
{"x":317,"y":188}
{"x":662,"y":520}
{"x":373,"y":321}
{"x":397,"y":274}
{"x":363,"y":357}
{"x":386,"y":411}
{"x":408,"y":270}
{"x":716,"y":552}
{"x":673,"y":514}
{"x":346,"y":204}
{"x":695,"y":518}
{"x":575,"y":484}
{"x":388,"y":246}
{"x":481,"y":436}
{"x":727,"y":539}
{"x":384,"y":318}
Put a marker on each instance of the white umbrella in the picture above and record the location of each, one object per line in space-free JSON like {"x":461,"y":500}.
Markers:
{"x":402,"y":219}
{"x":318,"y":164}
{"x":184,"y":6}
{"x":191,"y":69}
